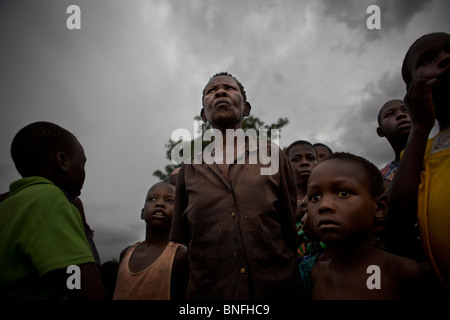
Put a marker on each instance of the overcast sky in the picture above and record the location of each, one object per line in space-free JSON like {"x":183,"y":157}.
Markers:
{"x":135,"y":71}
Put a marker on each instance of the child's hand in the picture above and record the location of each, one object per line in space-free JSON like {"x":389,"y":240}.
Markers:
{"x":419,"y":101}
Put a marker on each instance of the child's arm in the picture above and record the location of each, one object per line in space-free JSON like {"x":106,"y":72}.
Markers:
{"x":403,"y":189}
{"x":91,"y":286}
{"x":180,"y":274}
{"x":179,"y":232}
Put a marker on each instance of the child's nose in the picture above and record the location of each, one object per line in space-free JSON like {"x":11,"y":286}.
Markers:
{"x":159,"y":203}
{"x":326,"y":205}
{"x":305,"y":163}
{"x":401,"y":115}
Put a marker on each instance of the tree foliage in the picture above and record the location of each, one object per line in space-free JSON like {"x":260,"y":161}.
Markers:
{"x":250,"y":122}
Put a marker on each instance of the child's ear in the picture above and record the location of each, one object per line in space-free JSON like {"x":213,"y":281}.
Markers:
{"x":62,"y":161}
{"x":382,"y":208}
{"x":202,"y":114}
{"x":380,"y":132}
{"x":247,"y":108}
{"x":142,"y":214}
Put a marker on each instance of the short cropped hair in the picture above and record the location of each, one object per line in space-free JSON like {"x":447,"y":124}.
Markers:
{"x":379,"y":118}
{"x":374,"y":178}
{"x":241,"y":87}
{"x":35,"y":144}
{"x":406,"y":67}
{"x":318,"y":144}
{"x":298,"y":143}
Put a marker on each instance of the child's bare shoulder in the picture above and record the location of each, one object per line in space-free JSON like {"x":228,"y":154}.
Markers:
{"x":399,"y":267}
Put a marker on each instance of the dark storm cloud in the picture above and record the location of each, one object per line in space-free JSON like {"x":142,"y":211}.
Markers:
{"x":111,"y":241}
{"x":243,"y":31}
{"x":394,"y":14}
{"x":361,"y":119}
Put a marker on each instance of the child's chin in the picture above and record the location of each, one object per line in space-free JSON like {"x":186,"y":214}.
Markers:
{"x":445,"y":83}
{"x":330,"y":238}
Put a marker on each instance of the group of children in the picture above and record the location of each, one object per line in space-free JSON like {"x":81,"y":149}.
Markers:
{"x":316,"y":229}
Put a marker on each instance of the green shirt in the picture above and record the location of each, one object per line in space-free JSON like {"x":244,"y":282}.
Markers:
{"x":40,"y":231}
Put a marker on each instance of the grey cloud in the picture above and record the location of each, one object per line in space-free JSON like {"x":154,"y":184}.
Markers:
{"x":360,"y":120}
{"x":111,"y":241}
{"x":395,"y":15}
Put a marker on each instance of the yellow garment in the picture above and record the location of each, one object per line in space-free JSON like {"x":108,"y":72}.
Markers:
{"x":434,"y":204}
{"x":152,"y":283}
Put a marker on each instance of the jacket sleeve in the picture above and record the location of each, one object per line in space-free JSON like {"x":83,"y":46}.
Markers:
{"x":180,"y":227}
{"x":288,"y":199}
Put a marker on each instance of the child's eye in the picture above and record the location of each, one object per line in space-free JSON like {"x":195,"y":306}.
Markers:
{"x":314,"y":197}
{"x":151,"y":199}
{"x":343,"y":194}
{"x":170,"y":201}
{"x":425,"y":61}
